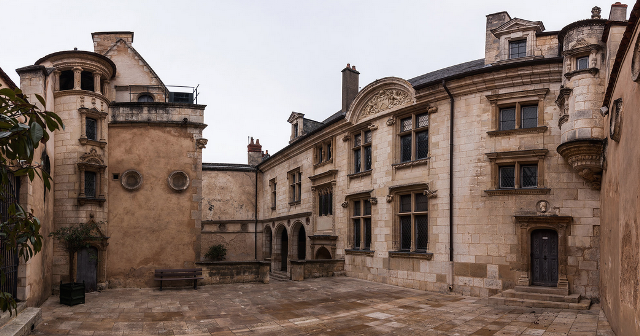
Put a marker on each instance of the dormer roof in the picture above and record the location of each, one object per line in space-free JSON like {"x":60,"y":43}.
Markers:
{"x":515,"y":25}
{"x":294,"y":116}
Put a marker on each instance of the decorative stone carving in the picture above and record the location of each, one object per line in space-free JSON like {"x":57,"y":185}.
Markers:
{"x":563,"y":104}
{"x":391,"y":121}
{"x":432,"y":109}
{"x":201,"y":143}
{"x":372,"y":127}
{"x":345,"y":204}
{"x":635,"y":62}
{"x":131,"y":179}
{"x":430,"y":193}
{"x":585,"y":157}
{"x":178,"y":180}
{"x":615,"y":120}
{"x":222,"y":227}
{"x":542,"y":206}
{"x":373,"y":200}
{"x":92,"y":158}
{"x":81,"y":101}
{"x":346,"y":137}
{"x":595,"y":12}
{"x":389,"y":198}
{"x":93,"y":102}
{"x":385,"y":100}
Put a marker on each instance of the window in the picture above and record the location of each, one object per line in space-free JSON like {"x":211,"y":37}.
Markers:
{"x":92,"y":129}
{"x":66,"y":80}
{"x":528,"y":116}
{"x":414,"y":137}
{"x":519,"y":172}
{"x":325,"y":202}
{"x":362,"y":151}
{"x":582,"y":63}
{"x":361,"y":222}
{"x":507,"y":118}
{"x":413,"y":219}
{"x":295,"y":186}
{"x":518,"y":112}
{"x":324,"y":152}
{"x":90,"y":184}
{"x":272,"y":185}
{"x":518,"y":49}
{"x":145,"y":98}
{"x":295,"y":130}
{"x":86,"y":80}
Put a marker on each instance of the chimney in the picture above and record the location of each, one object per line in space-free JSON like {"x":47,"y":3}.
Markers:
{"x":102,"y":41}
{"x":254,"y":152}
{"x":349,"y":86}
{"x":618,"y":12}
{"x":492,"y":43}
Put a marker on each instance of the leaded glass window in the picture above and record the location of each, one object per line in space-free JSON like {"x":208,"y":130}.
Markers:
{"x":413,"y":209}
{"x":362,"y":151}
{"x":582,"y":63}
{"x":356,"y":233}
{"x":295,"y":185}
{"x":507,"y":177}
{"x":507,"y":118}
{"x":91,"y":126}
{"x":529,"y":176}
{"x":405,"y":232}
{"x":517,"y":49}
{"x":367,"y":158}
{"x":90,"y":184}
{"x":529,"y":116}
{"x":421,"y":222}
{"x":414,"y":137}
{"x":406,"y":124}
{"x":361,"y":219}
{"x":405,"y":148}
{"x":422,"y":145}
{"x":357,"y":161}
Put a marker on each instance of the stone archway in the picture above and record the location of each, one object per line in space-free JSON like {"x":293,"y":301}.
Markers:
{"x":299,"y":241}
{"x":280,"y":249}
{"x":323,"y":253}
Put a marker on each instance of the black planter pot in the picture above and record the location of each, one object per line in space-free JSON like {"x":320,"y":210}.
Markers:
{"x":72,"y":294}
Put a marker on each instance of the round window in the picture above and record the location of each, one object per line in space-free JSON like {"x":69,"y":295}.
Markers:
{"x":178,"y":180}
{"x":131,"y":179}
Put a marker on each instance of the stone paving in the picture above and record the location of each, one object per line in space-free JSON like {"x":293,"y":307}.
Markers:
{"x":324,"y":306}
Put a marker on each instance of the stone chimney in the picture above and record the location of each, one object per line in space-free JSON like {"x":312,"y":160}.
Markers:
{"x":349,"y":86}
{"x":618,"y":12}
{"x":492,"y":43}
{"x":102,"y":41}
{"x":254,"y":152}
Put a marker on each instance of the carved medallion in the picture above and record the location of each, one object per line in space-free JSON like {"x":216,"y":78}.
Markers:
{"x":385,"y":100}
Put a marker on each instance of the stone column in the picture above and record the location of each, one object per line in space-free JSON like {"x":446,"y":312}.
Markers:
{"x":96,"y":83}
{"x":56,"y":80}
{"x":77,"y":71}
{"x":83,"y":127}
{"x":81,"y":182}
{"x":102,"y":129}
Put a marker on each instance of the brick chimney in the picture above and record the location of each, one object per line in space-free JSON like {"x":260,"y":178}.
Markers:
{"x":102,"y":41}
{"x":349,"y":86}
{"x":254,"y":152}
{"x":618,"y":12}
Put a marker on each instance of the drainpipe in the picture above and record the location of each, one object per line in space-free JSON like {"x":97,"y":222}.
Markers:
{"x":451,"y":104}
{"x":255,"y":224}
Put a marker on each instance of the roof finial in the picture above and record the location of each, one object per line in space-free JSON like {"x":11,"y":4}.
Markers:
{"x":595,"y":12}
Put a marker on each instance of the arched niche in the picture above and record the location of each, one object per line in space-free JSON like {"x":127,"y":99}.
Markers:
{"x":382,"y":96}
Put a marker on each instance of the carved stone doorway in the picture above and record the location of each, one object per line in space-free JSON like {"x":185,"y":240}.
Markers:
{"x":88,"y":268}
{"x":284,"y":249}
{"x":544,"y":257}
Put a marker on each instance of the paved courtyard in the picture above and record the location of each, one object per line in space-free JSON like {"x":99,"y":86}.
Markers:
{"x":325,"y":306}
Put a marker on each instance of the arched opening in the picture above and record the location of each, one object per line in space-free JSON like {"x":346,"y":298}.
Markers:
{"x":145,"y":98}
{"x":323,"y":253}
{"x":86,"y":81}
{"x":284,"y":249}
{"x":66,"y":80}
{"x":544,"y":257}
{"x":302,"y":243}
{"x":267,"y":242}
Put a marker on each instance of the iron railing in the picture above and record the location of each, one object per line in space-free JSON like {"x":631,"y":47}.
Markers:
{"x":9,"y":194}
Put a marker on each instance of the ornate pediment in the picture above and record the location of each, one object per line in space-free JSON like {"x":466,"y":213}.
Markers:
{"x":92,"y":158}
{"x":516,"y":25}
{"x":381,"y":96}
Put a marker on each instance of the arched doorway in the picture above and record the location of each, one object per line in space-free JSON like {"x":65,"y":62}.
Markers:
{"x":88,"y":268}
{"x":302,"y":243}
{"x":544,"y":257}
{"x":284,"y":248}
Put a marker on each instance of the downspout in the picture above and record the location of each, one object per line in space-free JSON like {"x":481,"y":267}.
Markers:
{"x":255,"y":224}
{"x":451,"y":104}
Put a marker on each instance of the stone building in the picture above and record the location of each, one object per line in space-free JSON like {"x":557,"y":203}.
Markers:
{"x":487,"y":178}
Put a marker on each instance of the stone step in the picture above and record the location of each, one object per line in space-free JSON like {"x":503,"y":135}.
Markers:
{"x":22,"y":324}
{"x":572,"y":298}
{"x":278,"y":276}
{"x":499,"y":300}
{"x":542,"y":290}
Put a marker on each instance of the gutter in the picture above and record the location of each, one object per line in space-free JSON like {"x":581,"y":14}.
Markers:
{"x":255,"y":224}
{"x":451,"y":104}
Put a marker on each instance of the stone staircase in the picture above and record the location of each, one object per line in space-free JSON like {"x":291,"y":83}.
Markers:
{"x":278,"y":276}
{"x":540,"y":297}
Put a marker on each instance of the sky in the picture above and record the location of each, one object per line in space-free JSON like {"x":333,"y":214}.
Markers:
{"x":256,"y":61}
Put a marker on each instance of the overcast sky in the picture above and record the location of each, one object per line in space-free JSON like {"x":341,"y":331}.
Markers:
{"x":257,"y":61}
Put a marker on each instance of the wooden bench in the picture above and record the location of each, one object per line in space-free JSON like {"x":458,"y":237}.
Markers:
{"x":179,"y":274}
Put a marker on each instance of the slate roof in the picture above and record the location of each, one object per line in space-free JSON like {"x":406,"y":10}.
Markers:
{"x":7,"y":79}
{"x":453,"y":70}
{"x":227,"y":167}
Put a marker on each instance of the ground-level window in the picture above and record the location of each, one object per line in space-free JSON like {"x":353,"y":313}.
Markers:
{"x":361,"y":221}
{"x":413,"y":216}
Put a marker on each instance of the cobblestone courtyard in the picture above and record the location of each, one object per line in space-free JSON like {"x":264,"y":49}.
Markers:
{"x":325,"y":306}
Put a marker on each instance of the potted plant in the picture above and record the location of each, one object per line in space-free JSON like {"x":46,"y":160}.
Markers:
{"x":73,"y":239}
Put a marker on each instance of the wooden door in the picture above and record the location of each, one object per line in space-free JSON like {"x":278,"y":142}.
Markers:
{"x":284,"y":250}
{"x":544,"y":258}
{"x":88,"y":268}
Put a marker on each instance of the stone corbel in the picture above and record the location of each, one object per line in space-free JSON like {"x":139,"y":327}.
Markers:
{"x":344,"y":204}
{"x":391,"y":121}
{"x":201,"y":143}
{"x":373,"y":200}
{"x":430,"y":193}
{"x":389,"y":198}
{"x":346,"y":137}
{"x":372,"y":127}
{"x":432,"y":109}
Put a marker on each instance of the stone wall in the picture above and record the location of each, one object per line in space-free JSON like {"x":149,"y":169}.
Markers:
{"x":222,"y":272}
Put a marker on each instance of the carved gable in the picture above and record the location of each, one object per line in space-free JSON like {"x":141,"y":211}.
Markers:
{"x":516,"y":25}
{"x":383,"y":95}
{"x":92,"y":158}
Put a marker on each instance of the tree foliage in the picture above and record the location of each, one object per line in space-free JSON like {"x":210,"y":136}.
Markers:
{"x":23,"y":127}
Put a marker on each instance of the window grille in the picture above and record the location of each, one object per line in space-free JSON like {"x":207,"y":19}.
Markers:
{"x":529,"y":116}
{"x":507,"y":177}
{"x":507,"y":119}
{"x":518,"y":49}
{"x":529,"y":176}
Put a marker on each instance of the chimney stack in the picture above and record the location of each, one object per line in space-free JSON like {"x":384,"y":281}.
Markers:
{"x":102,"y":41}
{"x":254,"y":152}
{"x":618,"y":12}
{"x":349,"y":86}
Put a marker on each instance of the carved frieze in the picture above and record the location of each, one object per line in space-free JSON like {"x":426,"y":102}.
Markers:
{"x":91,"y":158}
{"x":385,"y":100}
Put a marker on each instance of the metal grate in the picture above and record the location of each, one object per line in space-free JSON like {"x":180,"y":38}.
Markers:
{"x":406,"y":124}
{"x":10,"y":194}
{"x":405,"y":148}
{"x":529,"y":116}
{"x":367,"y":233}
{"x":518,"y":49}
{"x":422,"y":232}
{"x":507,"y":177}
{"x":356,"y":233}
{"x":405,"y":232}
{"x":423,"y":120}
{"x":507,"y":119}
{"x":92,"y":129}
{"x":422,"y":145}
{"x":529,"y":176}
{"x":90,"y":184}
{"x":367,"y":158}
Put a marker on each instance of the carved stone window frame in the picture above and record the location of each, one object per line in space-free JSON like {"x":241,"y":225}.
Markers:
{"x":615,"y":120}
{"x":273,"y":192}
{"x":415,"y":129}
{"x":101,"y":124}
{"x":517,"y":159}
{"x":294,"y":178}
{"x":93,"y":162}
{"x":518,"y":100}
{"x":635,"y":61}
{"x":392,"y":197}
{"x":324,"y":152}
{"x":349,"y":203}
{"x":131,"y":172}
{"x":361,"y":132}
{"x":571,"y":60}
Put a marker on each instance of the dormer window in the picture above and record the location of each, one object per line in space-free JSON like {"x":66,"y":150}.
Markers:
{"x":517,"y":49}
{"x":295,"y":131}
{"x":582,"y":63}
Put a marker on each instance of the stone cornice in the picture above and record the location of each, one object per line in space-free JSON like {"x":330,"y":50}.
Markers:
{"x":517,"y":154}
{"x":540,"y":129}
{"x":81,"y":93}
{"x":413,"y":163}
{"x":592,"y":71}
{"x":539,"y":93}
{"x":520,"y":191}
{"x":360,"y":174}
{"x":332,"y":172}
